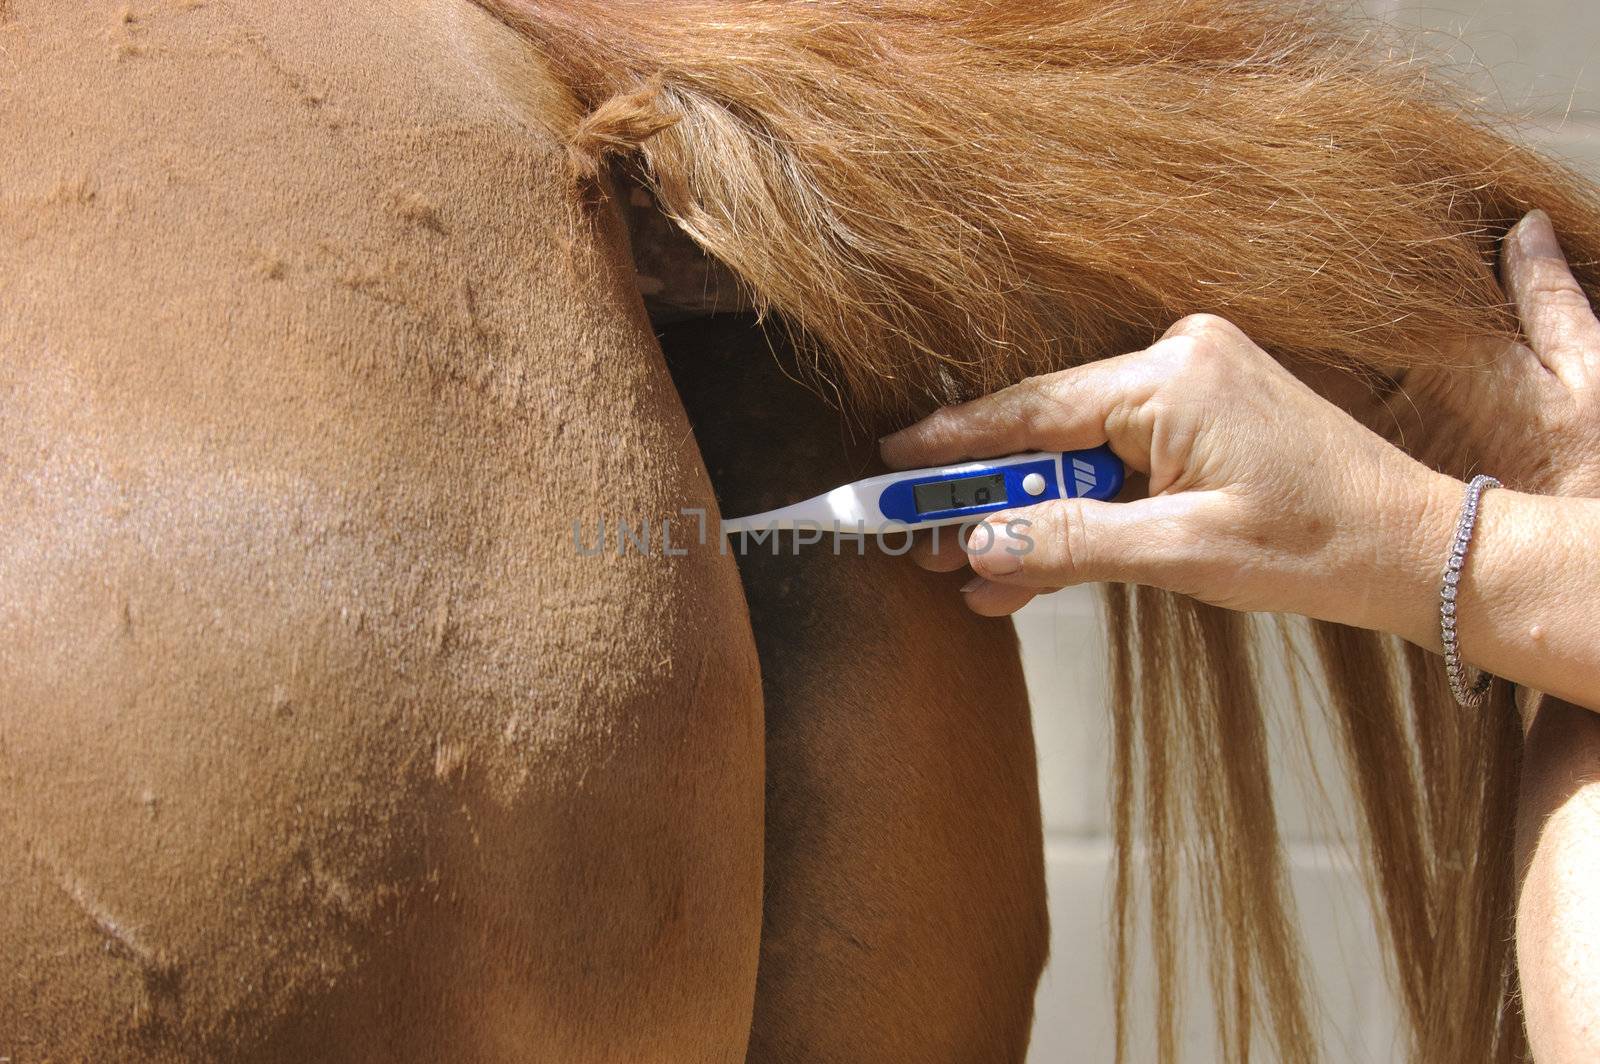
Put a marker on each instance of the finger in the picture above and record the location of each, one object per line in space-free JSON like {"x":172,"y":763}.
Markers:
{"x":989,"y":599}
{"x":939,"y":549}
{"x":1556,"y":316}
{"x":1056,"y":412}
{"x":1074,"y":541}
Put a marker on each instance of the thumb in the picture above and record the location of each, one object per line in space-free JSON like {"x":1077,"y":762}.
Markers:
{"x":1556,"y":316}
{"x":1075,"y":541}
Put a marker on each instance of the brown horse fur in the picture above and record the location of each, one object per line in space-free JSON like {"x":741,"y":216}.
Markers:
{"x":904,"y":913}
{"x":317,"y":739}
{"x":941,"y":196}
{"x":278,"y":580}
{"x":318,"y":742}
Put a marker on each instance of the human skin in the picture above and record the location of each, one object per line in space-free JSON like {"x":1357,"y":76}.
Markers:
{"x":1265,"y":496}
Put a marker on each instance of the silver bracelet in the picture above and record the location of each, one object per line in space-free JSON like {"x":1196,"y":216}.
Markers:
{"x":1467,"y":694}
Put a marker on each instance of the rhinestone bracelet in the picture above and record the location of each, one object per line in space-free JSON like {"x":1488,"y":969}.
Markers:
{"x":1467,"y":694}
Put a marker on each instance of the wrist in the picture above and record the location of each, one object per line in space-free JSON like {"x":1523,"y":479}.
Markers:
{"x":1403,"y":596}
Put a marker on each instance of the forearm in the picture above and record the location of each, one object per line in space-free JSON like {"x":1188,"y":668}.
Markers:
{"x":1528,"y":594}
{"x":1558,"y":901}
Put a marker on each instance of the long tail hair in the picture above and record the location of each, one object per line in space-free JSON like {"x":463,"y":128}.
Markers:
{"x":939,"y":197}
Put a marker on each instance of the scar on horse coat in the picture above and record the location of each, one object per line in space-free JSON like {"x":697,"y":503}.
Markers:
{"x":319,"y":740}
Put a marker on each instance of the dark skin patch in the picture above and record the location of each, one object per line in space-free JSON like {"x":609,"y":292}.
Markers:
{"x":903,"y":844}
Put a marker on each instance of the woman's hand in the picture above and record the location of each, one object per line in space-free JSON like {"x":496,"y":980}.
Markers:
{"x":1262,"y":494}
{"x":1531,"y":413}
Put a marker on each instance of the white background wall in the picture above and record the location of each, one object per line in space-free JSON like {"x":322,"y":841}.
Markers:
{"x":1542,"y":59}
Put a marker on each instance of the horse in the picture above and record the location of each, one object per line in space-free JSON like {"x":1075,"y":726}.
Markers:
{"x":326,"y":734}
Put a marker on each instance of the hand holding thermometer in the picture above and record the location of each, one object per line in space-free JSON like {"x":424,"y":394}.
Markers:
{"x":948,"y":495}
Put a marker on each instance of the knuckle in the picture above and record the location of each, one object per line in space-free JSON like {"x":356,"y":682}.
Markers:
{"x":1071,"y":536}
{"x":1036,"y":408}
{"x":1564,"y":337}
{"x":1052,"y":387}
{"x":1557,"y":287}
{"x":1160,"y":409}
{"x":1040,"y":403}
{"x":1178,"y":355}
{"x":1565,"y":352}
{"x":1211,"y":327}
{"x":1196,"y":360}
{"x":1560,"y":299}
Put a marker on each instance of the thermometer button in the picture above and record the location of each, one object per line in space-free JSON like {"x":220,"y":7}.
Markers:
{"x":1033,"y":484}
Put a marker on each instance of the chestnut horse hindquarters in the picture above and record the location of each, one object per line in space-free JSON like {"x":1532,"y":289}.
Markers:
{"x":905,"y":912}
{"x":318,"y":740}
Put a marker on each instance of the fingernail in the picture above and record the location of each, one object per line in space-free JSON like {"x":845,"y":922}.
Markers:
{"x":1536,"y":236}
{"x":997,"y":552}
{"x":972,"y":585}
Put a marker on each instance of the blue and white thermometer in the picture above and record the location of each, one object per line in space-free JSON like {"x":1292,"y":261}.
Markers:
{"x":949,"y":495}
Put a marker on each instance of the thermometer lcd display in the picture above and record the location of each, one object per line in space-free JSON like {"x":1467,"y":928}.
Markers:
{"x":960,"y":493}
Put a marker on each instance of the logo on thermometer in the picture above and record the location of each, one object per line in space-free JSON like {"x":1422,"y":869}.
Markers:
{"x":1082,"y":476}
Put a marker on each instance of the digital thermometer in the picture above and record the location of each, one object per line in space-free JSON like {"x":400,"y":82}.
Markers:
{"x":923,"y":498}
